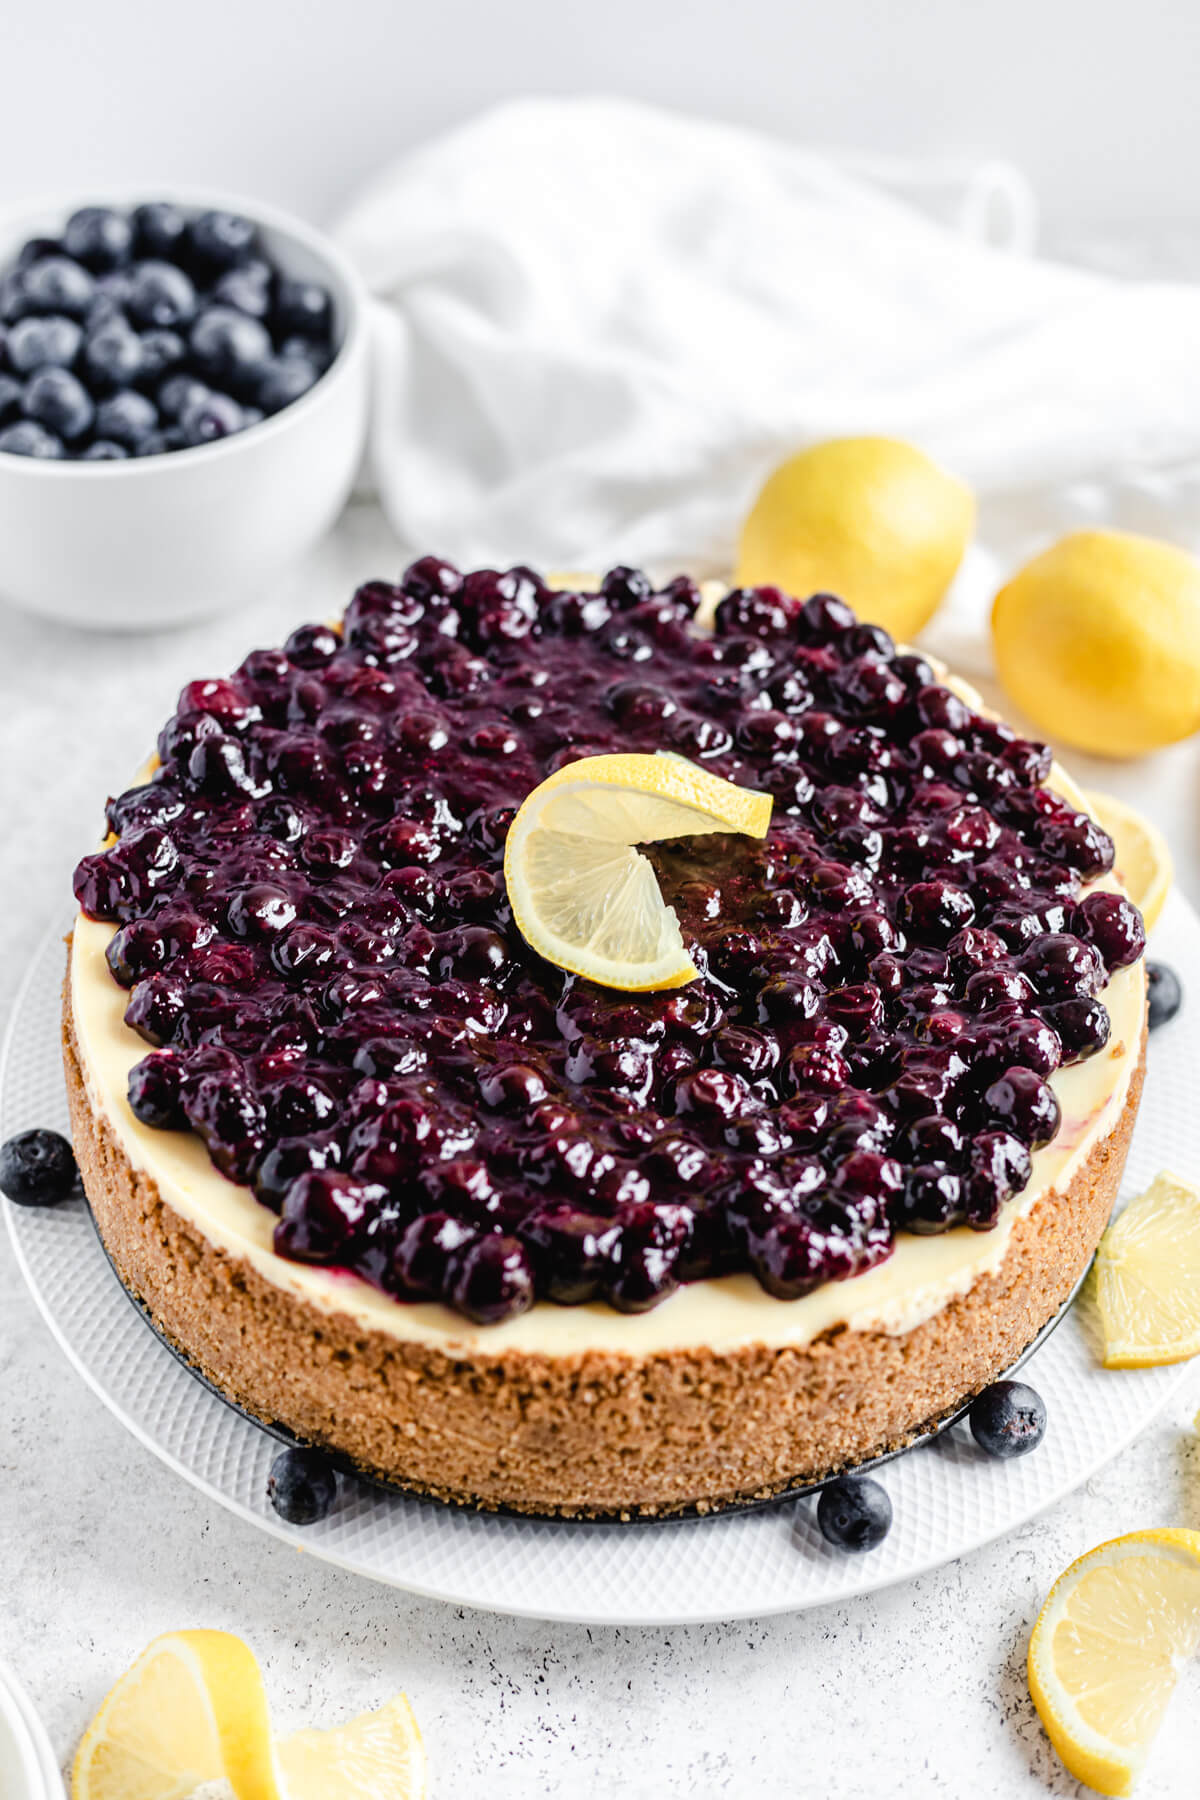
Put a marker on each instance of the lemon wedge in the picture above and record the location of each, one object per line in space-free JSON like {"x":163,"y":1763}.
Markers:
{"x":1143,"y":859}
{"x":193,"y":1710}
{"x":1148,"y":1278}
{"x":377,"y":1756}
{"x":1104,"y":1652}
{"x":583,"y":895}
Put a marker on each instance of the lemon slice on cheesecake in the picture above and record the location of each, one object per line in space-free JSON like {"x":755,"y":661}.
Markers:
{"x":582,"y":893}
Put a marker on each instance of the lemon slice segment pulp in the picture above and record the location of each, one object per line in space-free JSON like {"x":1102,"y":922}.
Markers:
{"x":1148,"y":1278}
{"x":582,"y":893}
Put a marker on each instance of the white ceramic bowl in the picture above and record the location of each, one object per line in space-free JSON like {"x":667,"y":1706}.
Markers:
{"x":158,"y":540}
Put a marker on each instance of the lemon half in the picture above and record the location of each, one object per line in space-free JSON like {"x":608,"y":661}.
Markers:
{"x":583,"y":895}
{"x":1104,"y":1651}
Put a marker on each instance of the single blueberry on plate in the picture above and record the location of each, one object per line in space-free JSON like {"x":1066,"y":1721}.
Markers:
{"x":28,"y":438}
{"x":854,"y":1513}
{"x":1165,"y":994}
{"x":1008,"y":1419}
{"x":35,"y":343}
{"x":126,"y":418}
{"x":37,"y":1168}
{"x":302,"y":1486}
{"x":60,"y":402}
{"x":98,"y":237}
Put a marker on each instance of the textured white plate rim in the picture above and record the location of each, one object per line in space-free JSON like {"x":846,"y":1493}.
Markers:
{"x":703,"y":1536}
{"x":31,"y":1736}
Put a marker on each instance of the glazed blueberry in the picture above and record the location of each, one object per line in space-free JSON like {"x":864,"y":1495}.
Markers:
{"x":59,"y":402}
{"x":1008,"y":1419}
{"x":35,"y":343}
{"x":302,"y":1486}
{"x":854,"y":1513}
{"x":37,"y":1168}
{"x":314,"y":930}
{"x":1165,"y":994}
{"x":27,"y":438}
{"x":98,"y":237}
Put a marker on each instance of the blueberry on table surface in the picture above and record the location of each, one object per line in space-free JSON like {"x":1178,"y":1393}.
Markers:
{"x":1008,"y":1419}
{"x":57,"y":284}
{"x":37,"y":1168}
{"x":126,"y":418}
{"x":301,"y":1486}
{"x":1165,"y":994}
{"x":854,"y":1513}
{"x":98,"y":237}
{"x":34,"y":343}
{"x":59,"y":401}
{"x":28,"y":438}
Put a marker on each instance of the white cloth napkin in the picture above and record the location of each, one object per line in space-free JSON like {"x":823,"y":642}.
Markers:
{"x":600,"y":325}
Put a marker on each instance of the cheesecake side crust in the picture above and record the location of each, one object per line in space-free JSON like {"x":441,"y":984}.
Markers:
{"x":595,"y":1433}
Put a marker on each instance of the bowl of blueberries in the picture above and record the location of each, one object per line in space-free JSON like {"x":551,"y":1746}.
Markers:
{"x":183,"y":401}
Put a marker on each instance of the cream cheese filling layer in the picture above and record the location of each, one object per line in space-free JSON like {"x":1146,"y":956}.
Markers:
{"x":727,"y":1313}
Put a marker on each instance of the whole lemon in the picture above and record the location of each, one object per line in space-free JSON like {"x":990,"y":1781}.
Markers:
{"x":1098,"y":641}
{"x":871,"y":519}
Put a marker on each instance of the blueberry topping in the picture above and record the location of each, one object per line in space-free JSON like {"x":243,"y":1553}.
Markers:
{"x":311,"y":924}
{"x":302,"y":1486}
{"x":1008,"y":1419}
{"x":1165,"y":994}
{"x":854,"y":1513}
{"x":37,"y":1168}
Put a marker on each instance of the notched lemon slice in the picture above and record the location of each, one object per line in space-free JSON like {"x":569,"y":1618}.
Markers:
{"x":582,"y":893}
{"x":1105,"y":1649}
{"x":1148,"y":1278}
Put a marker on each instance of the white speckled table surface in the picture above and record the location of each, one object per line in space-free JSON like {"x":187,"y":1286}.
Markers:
{"x":919,"y":1690}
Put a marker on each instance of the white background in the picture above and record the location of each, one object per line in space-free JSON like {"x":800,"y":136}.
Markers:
{"x":296,"y":100}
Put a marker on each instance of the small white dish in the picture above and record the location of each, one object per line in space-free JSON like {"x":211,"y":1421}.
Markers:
{"x":159,"y":540}
{"x":28,"y":1766}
